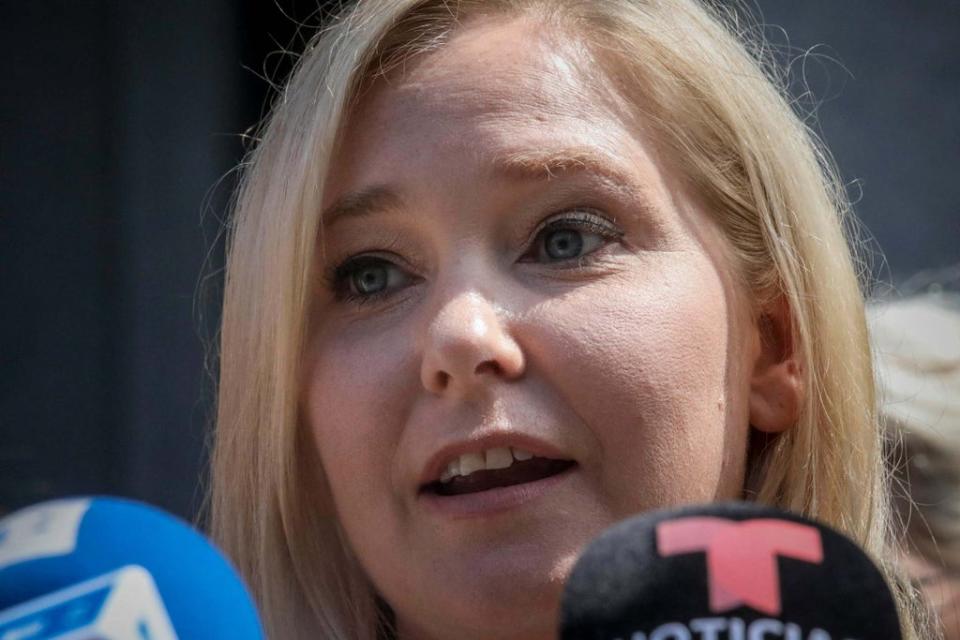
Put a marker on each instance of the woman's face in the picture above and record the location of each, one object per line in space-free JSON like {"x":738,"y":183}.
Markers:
{"x":526,"y":330}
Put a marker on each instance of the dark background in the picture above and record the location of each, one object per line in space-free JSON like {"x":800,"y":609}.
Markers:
{"x":120,"y":123}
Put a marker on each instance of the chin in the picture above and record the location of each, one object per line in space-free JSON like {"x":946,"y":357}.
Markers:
{"x":518,"y":603}
{"x":503,"y":619}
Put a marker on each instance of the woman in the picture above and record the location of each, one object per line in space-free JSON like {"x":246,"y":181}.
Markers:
{"x":505,"y":272}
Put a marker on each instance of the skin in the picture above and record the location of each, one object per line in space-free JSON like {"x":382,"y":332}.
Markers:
{"x":641,"y":359}
{"x":941,"y":590}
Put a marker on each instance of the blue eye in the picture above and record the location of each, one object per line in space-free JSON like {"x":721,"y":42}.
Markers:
{"x":563,"y":244}
{"x":367,"y":278}
{"x":571,"y":237}
{"x":370,"y":279}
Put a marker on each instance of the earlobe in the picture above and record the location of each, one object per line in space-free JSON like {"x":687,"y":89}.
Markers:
{"x":776,"y":384}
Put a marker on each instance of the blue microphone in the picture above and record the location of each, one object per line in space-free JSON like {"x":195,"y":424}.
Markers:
{"x":114,"y":569}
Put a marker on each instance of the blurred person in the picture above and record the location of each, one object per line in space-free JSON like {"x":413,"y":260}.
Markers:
{"x":917,"y":346}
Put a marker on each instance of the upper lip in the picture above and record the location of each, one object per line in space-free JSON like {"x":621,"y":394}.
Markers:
{"x":439,"y":460}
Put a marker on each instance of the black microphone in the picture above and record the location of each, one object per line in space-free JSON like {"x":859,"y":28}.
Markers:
{"x":728,"y":571}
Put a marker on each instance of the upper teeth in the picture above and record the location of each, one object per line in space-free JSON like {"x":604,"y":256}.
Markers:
{"x":496,"y":458}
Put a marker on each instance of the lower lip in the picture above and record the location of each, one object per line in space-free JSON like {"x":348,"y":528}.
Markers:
{"x":493,"y":501}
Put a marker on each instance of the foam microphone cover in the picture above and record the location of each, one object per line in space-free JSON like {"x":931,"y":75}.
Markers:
{"x":56,"y":551}
{"x":728,"y":571}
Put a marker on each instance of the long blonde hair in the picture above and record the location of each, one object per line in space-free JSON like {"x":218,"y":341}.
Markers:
{"x":715,"y":101}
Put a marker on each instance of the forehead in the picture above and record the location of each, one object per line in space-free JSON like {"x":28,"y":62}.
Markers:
{"x":498,"y":86}
{"x":489,"y":62}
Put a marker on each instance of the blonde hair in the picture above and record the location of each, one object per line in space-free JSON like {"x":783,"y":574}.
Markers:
{"x":716,"y":103}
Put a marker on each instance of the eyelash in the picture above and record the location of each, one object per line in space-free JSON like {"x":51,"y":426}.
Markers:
{"x":579,"y":219}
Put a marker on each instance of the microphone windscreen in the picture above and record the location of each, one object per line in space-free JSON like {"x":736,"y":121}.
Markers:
{"x":121,"y":605}
{"x":54,"y":545}
{"x":727,"y":571}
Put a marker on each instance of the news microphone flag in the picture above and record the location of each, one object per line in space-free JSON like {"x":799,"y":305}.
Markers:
{"x":732,"y":571}
{"x":123,"y":605}
{"x":85,"y":562}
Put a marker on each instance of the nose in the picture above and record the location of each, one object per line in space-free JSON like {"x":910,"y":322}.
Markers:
{"x":468,"y":345}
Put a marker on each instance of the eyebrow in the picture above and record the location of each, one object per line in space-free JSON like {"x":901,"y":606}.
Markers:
{"x":528,"y":166}
{"x":545,"y":165}
{"x":537,"y":165}
{"x":375,"y":199}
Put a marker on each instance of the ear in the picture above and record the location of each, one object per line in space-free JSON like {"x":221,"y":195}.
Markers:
{"x":776,"y":383}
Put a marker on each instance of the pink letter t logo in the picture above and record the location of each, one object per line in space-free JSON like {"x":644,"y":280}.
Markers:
{"x":741,"y":556}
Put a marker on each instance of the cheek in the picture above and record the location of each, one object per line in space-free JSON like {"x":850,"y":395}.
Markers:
{"x":353,"y":398}
{"x":645,"y":361}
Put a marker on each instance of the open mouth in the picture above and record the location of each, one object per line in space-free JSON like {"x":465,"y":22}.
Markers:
{"x":492,"y":469}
